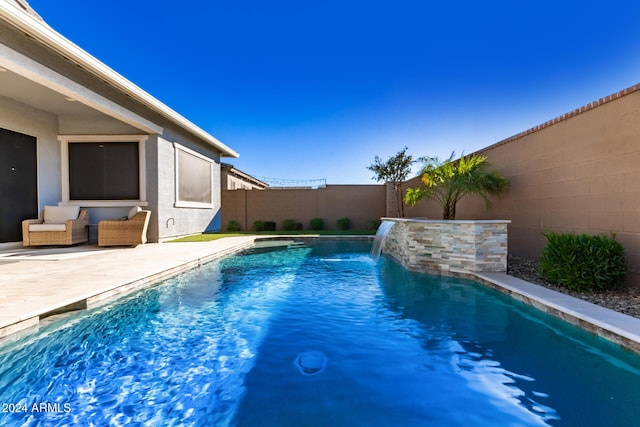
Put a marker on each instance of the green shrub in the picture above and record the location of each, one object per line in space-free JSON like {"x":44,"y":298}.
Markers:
{"x":299,"y":226}
{"x":342,"y":223}
{"x":316,"y":224}
{"x":258,"y":225}
{"x":269,"y":226}
{"x":373,"y":224}
{"x":583,"y":262}
{"x":289,"y":224}
{"x":233,"y":225}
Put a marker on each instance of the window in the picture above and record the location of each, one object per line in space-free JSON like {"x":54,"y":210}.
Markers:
{"x":103,"y":169}
{"x":194,"y":179}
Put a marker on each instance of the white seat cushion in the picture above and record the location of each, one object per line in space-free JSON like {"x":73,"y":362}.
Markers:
{"x":47,"y":227}
{"x":59,"y":214}
{"x":133,"y":211}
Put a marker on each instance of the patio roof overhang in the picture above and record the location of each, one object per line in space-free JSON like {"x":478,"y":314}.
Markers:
{"x":33,"y":84}
{"x":53,"y":74}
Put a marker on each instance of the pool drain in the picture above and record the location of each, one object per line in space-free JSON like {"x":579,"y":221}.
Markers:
{"x":310,"y":362}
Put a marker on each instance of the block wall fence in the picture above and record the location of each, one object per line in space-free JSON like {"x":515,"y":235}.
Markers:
{"x":579,"y":172}
{"x":359,"y":203}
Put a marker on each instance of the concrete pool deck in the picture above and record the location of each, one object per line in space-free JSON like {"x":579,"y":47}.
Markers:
{"x":37,"y":283}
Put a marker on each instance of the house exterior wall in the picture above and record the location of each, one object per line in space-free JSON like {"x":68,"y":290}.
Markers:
{"x":101,"y":114}
{"x":578,"y":173}
{"x":153,"y":194}
{"x":177,"y":221}
{"x":166,"y":220}
{"x":230,"y":182}
{"x":103,"y":125}
{"x":44,"y":126}
{"x":359,"y":203}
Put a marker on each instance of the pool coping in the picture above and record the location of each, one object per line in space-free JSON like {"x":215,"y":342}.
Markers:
{"x":619,"y":328}
{"x":616,"y":327}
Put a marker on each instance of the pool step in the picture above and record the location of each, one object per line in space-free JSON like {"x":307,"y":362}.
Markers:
{"x":275,"y":245}
{"x":296,"y":245}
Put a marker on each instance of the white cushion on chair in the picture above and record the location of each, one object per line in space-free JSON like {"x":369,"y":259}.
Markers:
{"x":47,"y":227}
{"x":59,"y":214}
{"x":134,"y":211}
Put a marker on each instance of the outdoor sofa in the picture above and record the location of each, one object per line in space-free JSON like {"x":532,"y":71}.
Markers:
{"x":58,"y":225}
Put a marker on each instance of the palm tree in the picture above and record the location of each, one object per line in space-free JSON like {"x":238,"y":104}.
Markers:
{"x":449,"y":181}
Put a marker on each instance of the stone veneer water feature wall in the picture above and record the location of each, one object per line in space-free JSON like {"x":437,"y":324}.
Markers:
{"x":448,"y":247}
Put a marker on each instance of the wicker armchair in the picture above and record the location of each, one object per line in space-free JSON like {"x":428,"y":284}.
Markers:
{"x":55,"y":228}
{"x":128,"y":232}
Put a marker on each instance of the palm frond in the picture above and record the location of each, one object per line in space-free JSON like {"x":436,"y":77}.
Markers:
{"x":450,"y":180}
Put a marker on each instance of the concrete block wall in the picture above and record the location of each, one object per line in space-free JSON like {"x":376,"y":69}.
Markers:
{"x":579,"y":172}
{"x":444,"y":247}
{"x":359,"y":203}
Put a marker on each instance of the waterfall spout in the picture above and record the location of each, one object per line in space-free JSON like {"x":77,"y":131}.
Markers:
{"x":381,"y":235}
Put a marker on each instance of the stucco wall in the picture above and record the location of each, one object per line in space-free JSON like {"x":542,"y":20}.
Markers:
{"x":176,"y":221}
{"x":360,"y":203}
{"x":578,"y":173}
{"x":97,"y":125}
{"x":160,"y":168}
{"x":45,"y":127}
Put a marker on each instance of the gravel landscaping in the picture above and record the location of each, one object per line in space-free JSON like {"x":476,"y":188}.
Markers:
{"x":624,"y":300}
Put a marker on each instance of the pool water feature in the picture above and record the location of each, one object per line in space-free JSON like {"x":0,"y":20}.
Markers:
{"x":317,"y":335}
{"x":380,"y":237}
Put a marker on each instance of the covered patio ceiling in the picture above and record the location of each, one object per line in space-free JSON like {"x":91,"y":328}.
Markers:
{"x":27,"y":92}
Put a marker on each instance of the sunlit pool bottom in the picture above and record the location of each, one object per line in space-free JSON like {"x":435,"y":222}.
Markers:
{"x":319,"y":335}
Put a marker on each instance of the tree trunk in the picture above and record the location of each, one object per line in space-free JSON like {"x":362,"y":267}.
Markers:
{"x":449,"y":211}
{"x":445,"y":211}
{"x":399,"y":200}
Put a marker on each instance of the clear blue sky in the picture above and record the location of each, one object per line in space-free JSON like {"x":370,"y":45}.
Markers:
{"x":306,"y":90}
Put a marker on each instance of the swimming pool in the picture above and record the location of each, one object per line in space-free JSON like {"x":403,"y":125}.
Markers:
{"x":316,"y":335}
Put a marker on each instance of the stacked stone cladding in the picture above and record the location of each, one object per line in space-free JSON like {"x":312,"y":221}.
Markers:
{"x":448,"y":247}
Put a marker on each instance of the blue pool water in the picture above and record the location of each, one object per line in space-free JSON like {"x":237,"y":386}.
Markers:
{"x":321,"y":335}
